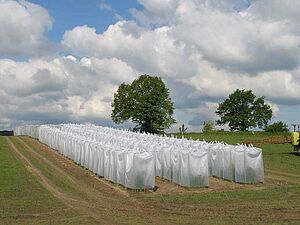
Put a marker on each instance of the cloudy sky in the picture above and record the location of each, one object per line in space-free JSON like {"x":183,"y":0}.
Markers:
{"x":61,"y":61}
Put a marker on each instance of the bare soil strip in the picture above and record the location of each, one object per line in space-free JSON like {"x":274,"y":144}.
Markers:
{"x":75,"y":183}
{"x":69,"y":201}
{"x":282,"y":173}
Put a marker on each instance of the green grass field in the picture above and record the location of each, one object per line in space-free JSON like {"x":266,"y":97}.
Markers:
{"x":38,"y":186}
{"x":23,"y":199}
{"x":230,"y":137}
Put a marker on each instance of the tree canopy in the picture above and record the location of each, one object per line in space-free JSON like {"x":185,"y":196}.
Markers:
{"x":242,"y":110}
{"x":277,"y":127}
{"x":146,"y":102}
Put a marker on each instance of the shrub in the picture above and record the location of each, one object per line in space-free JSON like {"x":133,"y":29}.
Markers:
{"x":277,"y":127}
{"x":208,"y":127}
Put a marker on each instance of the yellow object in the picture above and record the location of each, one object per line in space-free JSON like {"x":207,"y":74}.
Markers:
{"x":295,"y":138}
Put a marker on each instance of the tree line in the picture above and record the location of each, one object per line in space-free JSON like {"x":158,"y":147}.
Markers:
{"x":147,"y":103}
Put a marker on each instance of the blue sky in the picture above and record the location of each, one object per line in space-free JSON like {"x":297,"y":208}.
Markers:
{"x":60,"y":62}
{"x":68,"y":14}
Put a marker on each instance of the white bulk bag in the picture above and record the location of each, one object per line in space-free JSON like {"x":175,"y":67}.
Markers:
{"x":144,"y":170}
{"x":239,"y":159}
{"x":198,"y":169}
{"x":86,"y":154}
{"x":175,"y":161}
{"x":95,"y":157}
{"x":129,"y":172}
{"x":112,"y":165}
{"x":167,"y":167}
{"x":100,"y":156}
{"x":106,"y":161}
{"x":228,"y":165}
{"x":120,"y":166}
{"x":216,"y":160}
{"x":254,"y":165}
{"x":159,"y":161}
{"x":184,"y":169}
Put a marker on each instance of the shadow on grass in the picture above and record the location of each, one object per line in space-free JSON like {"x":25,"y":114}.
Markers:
{"x":294,"y":153}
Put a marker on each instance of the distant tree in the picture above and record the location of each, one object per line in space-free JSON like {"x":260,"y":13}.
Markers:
{"x":208,"y":127}
{"x":277,"y":127}
{"x":242,"y":110}
{"x":146,"y":102}
{"x":182,"y":130}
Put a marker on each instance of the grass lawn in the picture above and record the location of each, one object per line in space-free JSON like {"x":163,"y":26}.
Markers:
{"x":77,"y":197}
{"x":23,"y":200}
{"x":230,"y":137}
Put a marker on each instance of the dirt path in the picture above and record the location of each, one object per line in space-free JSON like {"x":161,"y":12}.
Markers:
{"x":282,"y":173}
{"x":99,"y":199}
{"x":68,"y":200}
{"x":65,"y":174}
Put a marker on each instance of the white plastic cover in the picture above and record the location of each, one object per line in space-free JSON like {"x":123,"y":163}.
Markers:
{"x":134,"y":160}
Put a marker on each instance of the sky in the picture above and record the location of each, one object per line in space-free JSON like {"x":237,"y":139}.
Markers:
{"x":62,"y":60}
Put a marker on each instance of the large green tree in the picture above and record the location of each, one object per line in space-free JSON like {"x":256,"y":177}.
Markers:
{"x":242,"y":110}
{"x":146,"y":102}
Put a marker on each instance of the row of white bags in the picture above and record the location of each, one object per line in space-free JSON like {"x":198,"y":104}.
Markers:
{"x":133,"y":168}
{"x":240,"y":163}
{"x":30,"y":130}
{"x":136,"y":163}
{"x":116,"y":165}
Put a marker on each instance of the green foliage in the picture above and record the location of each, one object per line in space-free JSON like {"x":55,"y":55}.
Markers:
{"x":182,"y":130}
{"x":277,"y":127}
{"x":242,"y":110}
{"x":146,"y":102}
{"x":208,"y":127}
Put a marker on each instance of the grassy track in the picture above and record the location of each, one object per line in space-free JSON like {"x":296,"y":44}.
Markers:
{"x":24,"y":200}
{"x":38,"y":186}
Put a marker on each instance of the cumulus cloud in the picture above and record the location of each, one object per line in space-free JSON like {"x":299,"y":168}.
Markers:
{"x":203,"y":43}
{"x":277,"y":10}
{"x":203,"y":50}
{"x":23,"y":26}
{"x":61,"y":89}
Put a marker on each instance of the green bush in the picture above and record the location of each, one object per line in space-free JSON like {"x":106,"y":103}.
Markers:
{"x":277,"y":127}
{"x":208,"y":127}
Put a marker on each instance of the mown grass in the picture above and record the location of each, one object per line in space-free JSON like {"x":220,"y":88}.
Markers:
{"x":230,"y":137}
{"x":240,"y":207}
{"x":58,"y":180}
{"x":19,"y":190}
{"x":281,"y":157}
{"x":23,"y":200}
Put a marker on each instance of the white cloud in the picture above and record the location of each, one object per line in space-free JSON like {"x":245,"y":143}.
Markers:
{"x":203,"y":50}
{"x":276,"y":10}
{"x":23,"y":25}
{"x":105,"y":6}
{"x":204,"y":43}
{"x":61,"y":89}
